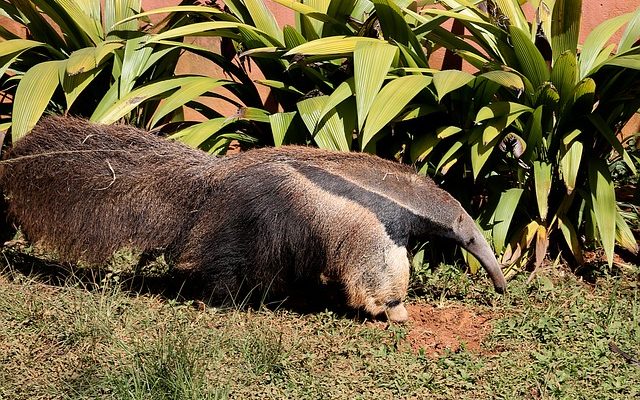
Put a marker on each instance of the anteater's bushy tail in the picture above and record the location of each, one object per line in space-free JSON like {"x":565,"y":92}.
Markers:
{"x":115,"y":185}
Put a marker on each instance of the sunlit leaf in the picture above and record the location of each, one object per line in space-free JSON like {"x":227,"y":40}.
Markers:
{"x":542,"y":179}
{"x":450,"y":156}
{"x":333,"y":45}
{"x":264,"y":19}
{"x":278,"y":85}
{"x":570,"y":164}
{"x":631,"y":34}
{"x":163,"y":10}
{"x":280,"y":125}
{"x":126,"y":104}
{"x":624,"y":235}
{"x":345,"y":90}
{"x":503,"y":214}
{"x":480,"y":153}
{"x":78,"y":13}
{"x":603,"y":199}
{"x":74,"y":85}
{"x":597,"y":40}
{"x":119,"y":10}
{"x":571,"y":238}
{"x":189,"y":91}
{"x":564,"y":74}
{"x":329,"y":135}
{"x":10,"y":50}
{"x":390,"y":101}
{"x":201,"y":28}
{"x":371,"y":62}
{"x":504,"y":78}
{"x":197,"y":134}
{"x":450,"y":80}
{"x":512,"y":10}
{"x":565,"y":26}
{"x":501,"y":109}
{"x":446,"y":131}
{"x":32,"y":96}
{"x":422,"y":146}
{"x":416,"y":111}
{"x":628,"y":61}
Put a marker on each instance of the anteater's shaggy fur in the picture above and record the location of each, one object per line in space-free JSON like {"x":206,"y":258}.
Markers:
{"x":262,"y":219}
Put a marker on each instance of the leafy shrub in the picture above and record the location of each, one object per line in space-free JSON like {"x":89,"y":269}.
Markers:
{"x":558,"y":136}
{"x":526,"y":142}
{"x":94,"y":59}
{"x":533,"y":132}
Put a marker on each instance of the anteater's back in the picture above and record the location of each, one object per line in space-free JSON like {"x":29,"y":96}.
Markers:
{"x":115,"y":185}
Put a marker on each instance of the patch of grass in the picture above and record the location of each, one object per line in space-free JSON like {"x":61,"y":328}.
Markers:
{"x":550,"y":339}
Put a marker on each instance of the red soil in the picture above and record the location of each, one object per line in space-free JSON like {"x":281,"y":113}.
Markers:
{"x":436,"y":329}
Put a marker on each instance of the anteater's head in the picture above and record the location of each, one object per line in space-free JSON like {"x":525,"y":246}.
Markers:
{"x":467,"y":234}
{"x":380,"y":288}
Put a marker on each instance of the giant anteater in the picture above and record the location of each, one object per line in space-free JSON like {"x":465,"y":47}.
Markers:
{"x":264,"y":218}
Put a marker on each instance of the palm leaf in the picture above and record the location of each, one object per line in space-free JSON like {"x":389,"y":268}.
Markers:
{"x":197,"y":134}
{"x":603,"y":200}
{"x":631,"y":33}
{"x":480,"y":151}
{"x":264,"y":19}
{"x":570,"y":163}
{"x":512,"y":10}
{"x":127,"y":103}
{"x":188,"y":92}
{"x":390,"y":101}
{"x":450,"y":80}
{"x":503,"y":214}
{"x":501,"y":109}
{"x":121,"y":14}
{"x":613,"y":140}
{"x":571,"y":238}
{"x":328,"y":135}
{"x":564,"y":74}
{"x":422,"y":146}
{"x":333,"y":45}
{"x":624,"y":235}
{"x":565,"y":27}
{"x":11,"y":50}
{"x":345,"y":90}
{"x":167,"y":10}
{"x":70,"y":15}
{"x":32,"y":96}
{"x":597,"y":40}
{"x":450,"y":157}
{"x":542,"y":180}
{"x":372,"y":60}
{"x":280,"y":125}
{"x":504,"y":78}
{"x":531,"y":62}
{"x":207,"y":28}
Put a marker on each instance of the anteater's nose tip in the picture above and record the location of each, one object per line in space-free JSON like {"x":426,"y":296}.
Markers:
{"x":398,"y":313}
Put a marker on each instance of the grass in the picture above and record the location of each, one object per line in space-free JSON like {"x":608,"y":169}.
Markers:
{"x":550,"y":339}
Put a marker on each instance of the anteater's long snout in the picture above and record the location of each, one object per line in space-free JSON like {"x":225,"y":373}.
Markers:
{"x":470,"y":237}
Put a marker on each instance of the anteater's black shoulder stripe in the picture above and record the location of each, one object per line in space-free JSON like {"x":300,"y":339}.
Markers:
{"x":396,"y":219}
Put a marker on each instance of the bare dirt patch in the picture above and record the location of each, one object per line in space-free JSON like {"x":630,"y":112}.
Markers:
{"x":436,"y":329}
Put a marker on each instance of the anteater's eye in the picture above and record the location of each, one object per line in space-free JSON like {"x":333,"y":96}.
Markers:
{"x":392,"y":303}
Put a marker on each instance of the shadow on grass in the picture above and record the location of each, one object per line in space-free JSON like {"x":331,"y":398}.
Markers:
{"x":303,"y":298}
